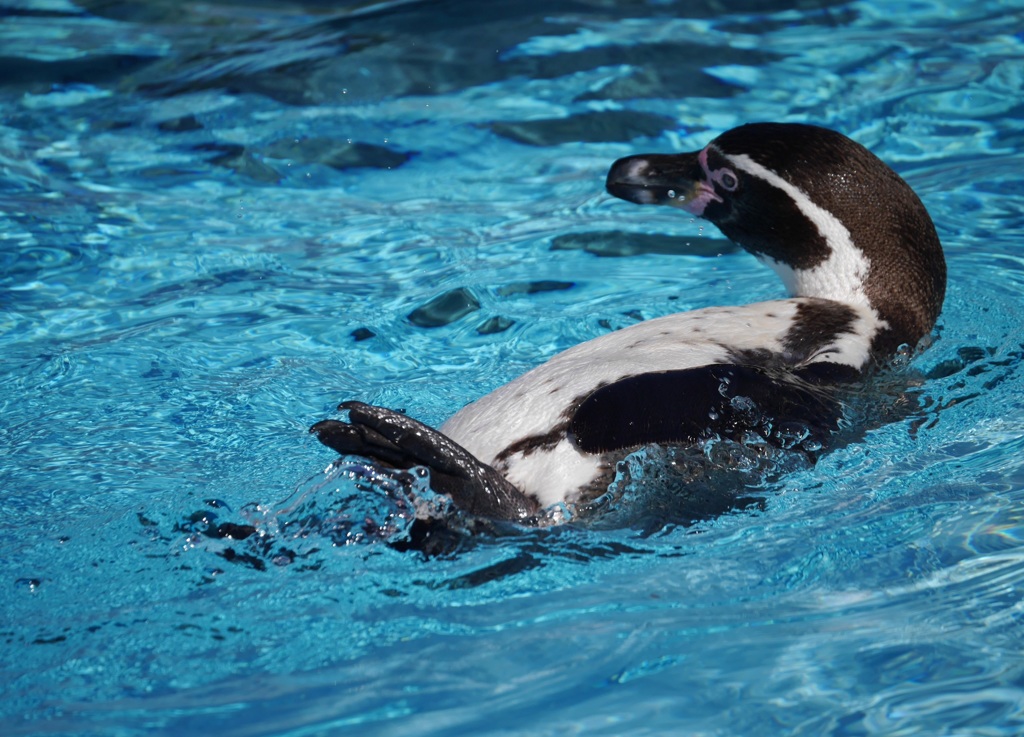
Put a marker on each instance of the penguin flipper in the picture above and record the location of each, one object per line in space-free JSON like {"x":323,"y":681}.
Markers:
{"x":399,"y":441}
{"x":725,"y":400}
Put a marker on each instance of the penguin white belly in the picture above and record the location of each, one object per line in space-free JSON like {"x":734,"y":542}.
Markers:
{"x":520,"y":428}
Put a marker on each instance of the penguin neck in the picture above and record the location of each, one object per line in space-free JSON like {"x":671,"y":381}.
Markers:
{"x":844,"y":277}
{"x":841,"y":277}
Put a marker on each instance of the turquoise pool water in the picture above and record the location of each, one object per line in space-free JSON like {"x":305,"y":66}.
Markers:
{"x":218,"y":220}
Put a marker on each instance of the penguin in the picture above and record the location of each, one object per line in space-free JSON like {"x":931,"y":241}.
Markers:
{"x":857,"y":253}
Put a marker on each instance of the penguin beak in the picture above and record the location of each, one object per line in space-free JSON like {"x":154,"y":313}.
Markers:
{"x":661,"y":179}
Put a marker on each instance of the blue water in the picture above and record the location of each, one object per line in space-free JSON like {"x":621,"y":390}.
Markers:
{"x":218,"y":220}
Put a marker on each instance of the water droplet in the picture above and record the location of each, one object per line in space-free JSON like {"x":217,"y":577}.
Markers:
{"x":29,"y":583}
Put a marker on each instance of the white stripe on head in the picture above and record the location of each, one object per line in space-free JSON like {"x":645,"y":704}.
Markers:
{"x":842,"y":275}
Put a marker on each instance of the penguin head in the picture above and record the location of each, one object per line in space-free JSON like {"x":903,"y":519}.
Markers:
{"x":824,"y":212}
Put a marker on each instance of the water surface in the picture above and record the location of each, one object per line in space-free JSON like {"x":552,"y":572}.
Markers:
{"x":218,"y":220}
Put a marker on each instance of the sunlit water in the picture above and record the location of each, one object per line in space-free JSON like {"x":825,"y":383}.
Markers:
{"x":218,"y":220}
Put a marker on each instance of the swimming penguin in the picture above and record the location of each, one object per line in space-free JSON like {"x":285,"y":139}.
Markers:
{"x":856,"y":251}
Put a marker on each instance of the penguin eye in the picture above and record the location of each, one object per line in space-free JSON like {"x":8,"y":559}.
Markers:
{"x":727,"y":179}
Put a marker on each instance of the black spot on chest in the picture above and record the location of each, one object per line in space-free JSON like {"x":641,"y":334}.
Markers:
{"x":816,"y":325}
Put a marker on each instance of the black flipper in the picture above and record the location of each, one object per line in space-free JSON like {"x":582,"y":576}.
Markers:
{"x":724,"y":400}
{"x":399,"y":441}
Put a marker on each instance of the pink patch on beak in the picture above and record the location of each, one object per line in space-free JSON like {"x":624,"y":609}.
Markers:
{"x":701,"y":192}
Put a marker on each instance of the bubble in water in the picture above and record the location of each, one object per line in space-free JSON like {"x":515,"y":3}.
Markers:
{"x":742,"y":404}
{"x":812,"y":445}
{"x":791,"y":434}
{"x":903,"y":356}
